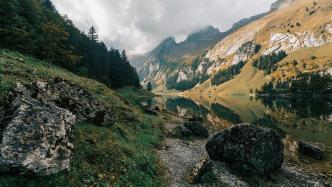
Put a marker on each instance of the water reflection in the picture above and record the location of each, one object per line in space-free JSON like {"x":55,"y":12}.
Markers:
{"x":294,"y":119}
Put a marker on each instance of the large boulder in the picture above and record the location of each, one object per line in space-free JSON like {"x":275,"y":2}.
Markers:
{"x":197,"y":128}
{"x":36,"y":138}
{"x":245,"y":146}
{"x":75,"y":99}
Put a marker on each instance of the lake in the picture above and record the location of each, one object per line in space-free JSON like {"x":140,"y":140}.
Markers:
{"x":295,"y":119}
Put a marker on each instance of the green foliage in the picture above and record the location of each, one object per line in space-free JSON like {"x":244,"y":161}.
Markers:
{"x":267,"y":62}
{"x":171,"y":83}
{"x":104,"y":157}
{"x":225,"y":113}
{"x":119,"y":155}
{"x":226,"y":75}
{"x":35,"y":28}
{"x":312,"y":83}
{"x":149,"y":87}
{"x":309,"y":84}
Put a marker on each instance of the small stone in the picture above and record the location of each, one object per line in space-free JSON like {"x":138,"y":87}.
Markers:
{"x":21,"y":89}
{"x":41,"y":86}
{"x":197,"y":128}
{"x":198,"y":170}
{"x":311,"y":151}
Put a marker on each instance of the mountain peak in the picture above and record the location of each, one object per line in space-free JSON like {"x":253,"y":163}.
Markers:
{"x":205,"y":32}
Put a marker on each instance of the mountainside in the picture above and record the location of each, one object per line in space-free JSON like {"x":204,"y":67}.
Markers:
{"x":158,"y":65}
{"x":290,"y":26}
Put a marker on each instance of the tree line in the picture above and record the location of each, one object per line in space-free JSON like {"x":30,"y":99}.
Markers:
{"x":267,"y":62}
{"x":35,"y":28}
{"x":225,"y":75}
{"x":308,"y":84}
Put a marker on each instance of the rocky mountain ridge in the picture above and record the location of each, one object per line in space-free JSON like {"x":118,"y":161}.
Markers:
{"x":278,"y":30}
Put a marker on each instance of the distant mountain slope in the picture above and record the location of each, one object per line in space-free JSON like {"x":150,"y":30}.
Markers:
{"x":301,"y":28}
{"x":157,"y":66}
{"x":290,"y":26}
{"x":169,"y":50}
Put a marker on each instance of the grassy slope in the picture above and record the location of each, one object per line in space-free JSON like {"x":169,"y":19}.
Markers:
{"x":240,"y":85}
{"x":121,"y":154}
{"x":308,"y":60}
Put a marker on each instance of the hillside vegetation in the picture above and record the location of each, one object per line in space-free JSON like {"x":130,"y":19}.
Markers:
{"x":34,"y":27}
{"x":119,"y":154}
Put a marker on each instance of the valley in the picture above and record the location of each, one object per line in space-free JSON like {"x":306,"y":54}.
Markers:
{"x":250,"y":105}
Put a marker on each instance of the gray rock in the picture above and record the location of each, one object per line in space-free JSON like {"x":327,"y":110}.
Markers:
{"x":246,"y":146}
{"x":197,"y":129}
{"x":36,"y":138}
{"x":75,"y":99}
{"x":311,"y":151}
{"x":21,"y":89}
{"x":198,"y":170}
{"x":182,"y":132}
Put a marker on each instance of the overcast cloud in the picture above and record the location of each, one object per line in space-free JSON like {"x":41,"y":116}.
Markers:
{"x":140,"y":25}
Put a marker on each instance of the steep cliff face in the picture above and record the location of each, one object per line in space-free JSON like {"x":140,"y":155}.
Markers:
{"x":290,"y":26}
{"x":167,"y":58}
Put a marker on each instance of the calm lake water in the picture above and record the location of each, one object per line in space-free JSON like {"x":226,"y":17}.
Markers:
{"x":307,"y":120}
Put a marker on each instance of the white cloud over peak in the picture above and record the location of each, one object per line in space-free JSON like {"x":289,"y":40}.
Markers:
{"x":140,"y":25}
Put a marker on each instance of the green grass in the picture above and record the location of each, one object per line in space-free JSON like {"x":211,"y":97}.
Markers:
{"x":122,"y":154}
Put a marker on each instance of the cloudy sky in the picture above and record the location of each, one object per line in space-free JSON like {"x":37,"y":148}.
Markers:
{"x":140,"y":25}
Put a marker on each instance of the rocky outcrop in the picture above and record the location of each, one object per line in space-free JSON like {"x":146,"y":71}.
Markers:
{"x":38,"y":122}
{"x":247,"y":50}
{"x":311,"y":151}
{"x":292,"y":41}
{"x":72,"y":97}
{"x":36,"y":138}
{"x":248,"y":146}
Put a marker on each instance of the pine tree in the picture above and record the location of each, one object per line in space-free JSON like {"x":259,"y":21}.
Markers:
{"x":149,"y":87}
{"x":92,"y":34}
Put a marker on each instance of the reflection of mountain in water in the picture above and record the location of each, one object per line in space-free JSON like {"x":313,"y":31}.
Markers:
{"x":185,"y":107}
{"x":302,"y":119}
{"x":225,"y":113}
{"x":303,"y":107}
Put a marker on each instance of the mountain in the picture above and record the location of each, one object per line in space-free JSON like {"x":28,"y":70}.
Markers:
{"x":302,"y":29}
{"x":170,"y":50}
{"x":157,"y":66}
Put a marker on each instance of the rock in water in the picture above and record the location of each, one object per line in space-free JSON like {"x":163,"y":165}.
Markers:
{"x":311,"y":151}
{"x":197,"y":128}
{"x":36,"y":138}
{"x":245,"y":145}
